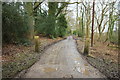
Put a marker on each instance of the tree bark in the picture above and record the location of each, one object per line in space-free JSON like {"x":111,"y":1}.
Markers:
{"x":92,"y":34}
{"x":119,"y":26}
{"x":87,"y":41}
{"x":29,"y":10}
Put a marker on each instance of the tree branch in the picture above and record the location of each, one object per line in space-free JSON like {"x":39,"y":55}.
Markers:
{"x":38,"y":5}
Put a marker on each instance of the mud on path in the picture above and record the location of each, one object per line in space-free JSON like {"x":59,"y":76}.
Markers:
{"x":62,"y":60}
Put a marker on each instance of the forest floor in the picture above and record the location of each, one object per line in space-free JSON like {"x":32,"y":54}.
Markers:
{"x":16,"y":58}
{"x":102,"y":56}
{"x":62,"y":60}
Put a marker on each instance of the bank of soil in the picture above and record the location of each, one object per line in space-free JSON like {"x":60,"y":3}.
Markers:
{"x":102,"y":56}
{"x":16,"y":58}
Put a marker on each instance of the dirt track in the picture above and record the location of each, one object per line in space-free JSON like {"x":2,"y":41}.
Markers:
{"x":62,"y":60}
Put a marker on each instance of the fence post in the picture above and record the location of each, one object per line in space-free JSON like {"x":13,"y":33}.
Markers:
{"x":36,"y":43}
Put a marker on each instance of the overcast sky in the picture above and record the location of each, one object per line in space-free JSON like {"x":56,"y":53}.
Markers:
{"x":74,"y":11}
{"x":71,"y":6}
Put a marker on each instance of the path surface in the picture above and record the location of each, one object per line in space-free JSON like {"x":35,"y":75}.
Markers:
{"x":62,"y":60}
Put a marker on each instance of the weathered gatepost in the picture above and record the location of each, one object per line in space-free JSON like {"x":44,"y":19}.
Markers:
{"x":36,"y":39}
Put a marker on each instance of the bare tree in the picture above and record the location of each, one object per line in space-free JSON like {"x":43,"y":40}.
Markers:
{"x":112,"y":18}
{"x":101,"y":17}
{"x":88,"y":21}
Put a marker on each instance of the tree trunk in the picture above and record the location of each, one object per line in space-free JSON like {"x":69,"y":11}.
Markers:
{"x":31,"y":27}
{"x":83,"y":23}
{"x":29,"y":10}
{"x":119,"y":26}
{"x":86,"y":48}
{"x":52,"y":19}
{"x":77,"y":16}
{"x":77,"y":24}
{"x":92,"y":34}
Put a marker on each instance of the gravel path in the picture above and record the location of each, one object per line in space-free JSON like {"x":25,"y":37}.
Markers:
{"x":62,"y":60}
